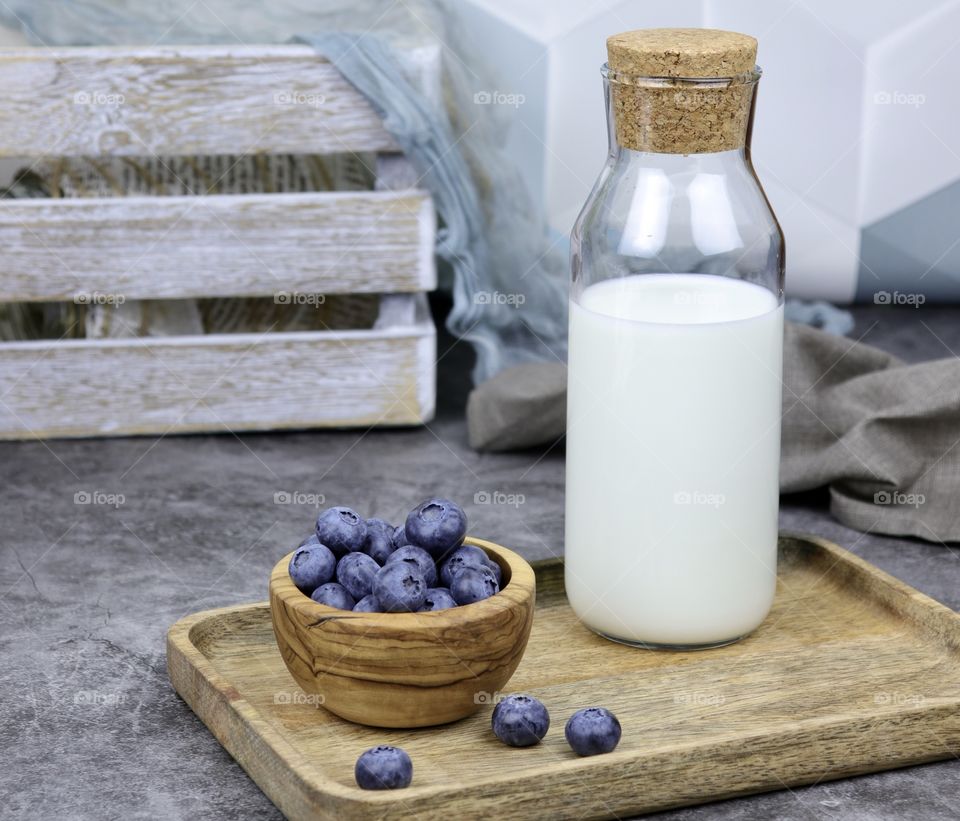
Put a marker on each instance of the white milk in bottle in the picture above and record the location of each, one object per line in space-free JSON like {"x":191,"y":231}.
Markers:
{"x":673,"y":449}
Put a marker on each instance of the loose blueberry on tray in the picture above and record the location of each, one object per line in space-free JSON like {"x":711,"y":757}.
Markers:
{"x":520,"y":721}
{"x":383,"y":768}
{"x":592,"y":731}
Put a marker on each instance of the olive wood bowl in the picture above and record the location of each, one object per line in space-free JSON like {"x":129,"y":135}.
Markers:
{"x":406,"y":669}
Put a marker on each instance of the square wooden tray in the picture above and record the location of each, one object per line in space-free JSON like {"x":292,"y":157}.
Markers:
{"x":852,"y":672}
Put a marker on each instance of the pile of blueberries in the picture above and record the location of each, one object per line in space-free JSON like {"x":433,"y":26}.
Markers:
{"x":518,"y":721}
{"x":370,"y":566}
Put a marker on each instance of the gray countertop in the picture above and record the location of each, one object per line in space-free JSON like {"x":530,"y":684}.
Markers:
{"x":89,"y":725}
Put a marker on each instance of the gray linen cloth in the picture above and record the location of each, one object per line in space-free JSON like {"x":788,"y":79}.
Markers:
{"x":882,"y":435}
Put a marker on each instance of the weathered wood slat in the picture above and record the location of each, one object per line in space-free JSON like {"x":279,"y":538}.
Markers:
{"x":217,"y":383}
{"x":180,"y":100}
{"x":224,"y":245}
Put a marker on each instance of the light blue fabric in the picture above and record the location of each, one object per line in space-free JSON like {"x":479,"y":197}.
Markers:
{"x":821,"y":315}
{"x":425,"y":137}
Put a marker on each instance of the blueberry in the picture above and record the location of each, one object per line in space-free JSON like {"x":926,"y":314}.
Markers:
{"x":464,"y":556}
{"x":342,"y":530}
{"x":436,"y":525}
{"x":520,"y":721}
{"x":383,"y":768}
{"x":473,"y":584}
{"x":368,"y":604}
{"x":333,"y":595}
{"x":380,"y":552}
{"x":592,"y":731}
{"x":438,"y":598}
{"x":495,"y":569}
{"x":381,"y":525}
{"x":399,"y":536}
{"x":400,"y":587}
{"x":379,"y":544}
{"x":311,"y":566}
{"x":311,"y":539}
{"x":356,"y":572}
{"x":419,"y":558}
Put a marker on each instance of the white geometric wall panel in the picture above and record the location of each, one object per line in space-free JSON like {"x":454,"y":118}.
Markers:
{"x":551,"y":51}
{"x":856,"y":137}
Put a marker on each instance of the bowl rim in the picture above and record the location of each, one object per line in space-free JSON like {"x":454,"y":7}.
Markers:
{"x":517,"y":592}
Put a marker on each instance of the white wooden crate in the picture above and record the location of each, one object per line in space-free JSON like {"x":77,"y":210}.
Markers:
{"x":205,"y":101}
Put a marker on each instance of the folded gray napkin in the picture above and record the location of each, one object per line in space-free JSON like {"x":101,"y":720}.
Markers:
{"x":882,"y":435}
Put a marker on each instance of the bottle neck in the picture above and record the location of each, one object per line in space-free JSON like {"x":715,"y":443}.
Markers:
{"x":682,"y":117}
{"x":679,"y":165}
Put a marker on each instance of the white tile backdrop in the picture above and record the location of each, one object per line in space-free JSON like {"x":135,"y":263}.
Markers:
{"x":857,"y":122}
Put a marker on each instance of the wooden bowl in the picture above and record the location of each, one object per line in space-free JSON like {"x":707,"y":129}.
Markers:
{"x":406,"y":669}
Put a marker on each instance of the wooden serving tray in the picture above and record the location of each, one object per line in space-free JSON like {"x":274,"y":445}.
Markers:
{"x":852,"y":672}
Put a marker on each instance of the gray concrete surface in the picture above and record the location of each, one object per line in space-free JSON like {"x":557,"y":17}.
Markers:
{"x":89,"y":725}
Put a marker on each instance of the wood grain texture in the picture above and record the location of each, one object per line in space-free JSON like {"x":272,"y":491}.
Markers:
{"x":198,"y":101}
{"x":222,"y":245}
{"x":215,"y":383}
{"x":405,"y":669}
{"x":190,"y":100}
{"x":852,"y":672}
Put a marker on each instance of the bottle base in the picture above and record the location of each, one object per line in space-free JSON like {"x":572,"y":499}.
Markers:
{"x":656,"y":645}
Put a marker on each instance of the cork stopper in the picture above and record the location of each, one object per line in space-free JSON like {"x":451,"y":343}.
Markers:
{"x":681,"y":91}
{"x":681,"y":53}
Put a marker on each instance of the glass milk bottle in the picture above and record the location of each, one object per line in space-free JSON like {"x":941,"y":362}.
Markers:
{"x":676,"y":327}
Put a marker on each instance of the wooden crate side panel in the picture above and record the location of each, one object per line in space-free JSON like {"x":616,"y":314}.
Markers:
{"x":216,"y":383}
{"x":180,"y":101}
{"x":222,"y":245}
